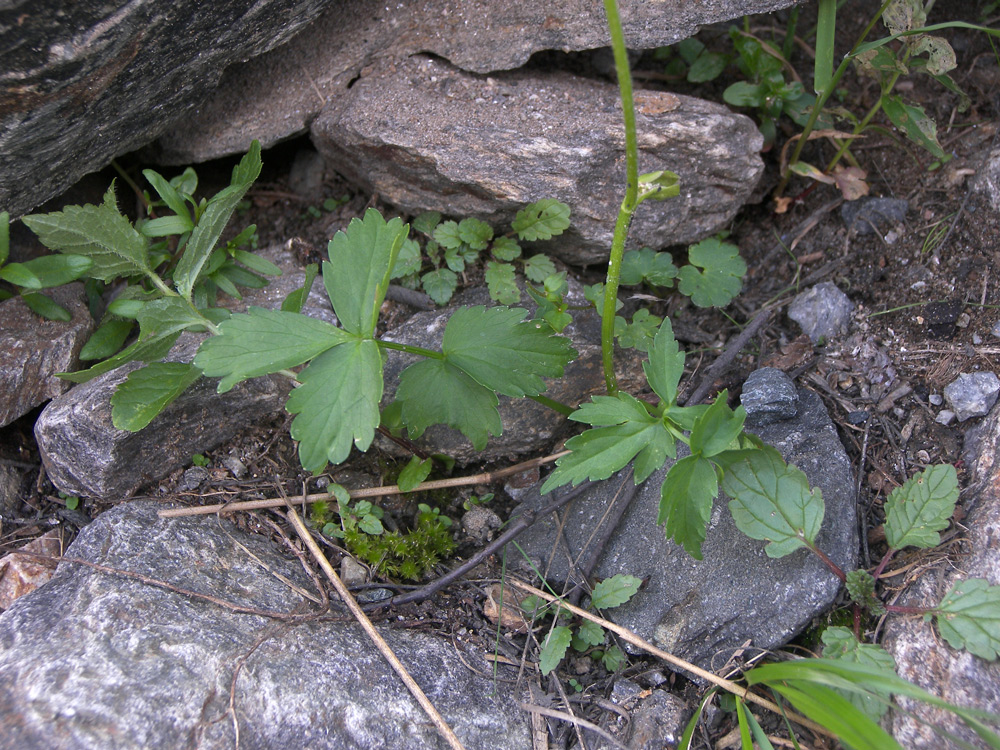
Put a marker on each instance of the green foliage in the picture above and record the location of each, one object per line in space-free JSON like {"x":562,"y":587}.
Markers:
{"x":720,"y":278}
{"x":861,"y":588}
{"x":415,"y":472}
{"x":840,"y":643}
{"x":614,"y":592}
{"x":920,"y":508}
{"x":969,"y":617}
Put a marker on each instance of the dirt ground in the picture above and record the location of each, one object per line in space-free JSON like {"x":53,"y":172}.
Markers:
{"x":926,"y":293}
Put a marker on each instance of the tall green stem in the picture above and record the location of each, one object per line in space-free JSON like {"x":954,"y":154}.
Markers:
{"x":631,"y":195}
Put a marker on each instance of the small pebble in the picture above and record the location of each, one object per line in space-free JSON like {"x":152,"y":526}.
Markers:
{"x":857,"y":417}
{"x":352,"y":573}
{"x":936,"y":399}
{"x":945,"y":417}
{"x":995,"y":330}
{"x":236,"y":467}
{"x":972,"y":394}
{"x":192,"y":479}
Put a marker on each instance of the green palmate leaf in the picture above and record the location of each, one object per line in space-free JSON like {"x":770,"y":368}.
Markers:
{"x":414,"y":473}
{"x":840,"y":643}
{"x":503,"y":353}
{"x":213,"y":220}
{"x":408,"y":261}
{"x":505,"y":248}
{"x":969,"y":618}
{"x":440,"y":285}
{"x":296,"y":298}
{"x":539,"y":267}
{"x":716,"y":429}
{"x":721,"y":278}
{"x":615,"y":591}
{"x":426,"y":222}
{"x":99,"y":232}
{"x":48,"y":308}
{"x":541,"y":220}
{"x":589,"y":634}
{"x":361,"y":261}
{"x":173,"y":199}
{"x":264,"y":341}
{"x":916,"y":511}
{"x":435,"y":392}
{"x":457,"y":258}
{"x":147,"y":392}
{"x":107,"y":340}
{"x":337,"y":403}
{"x":772,"y":501}
{"x":500,"y":280}
{"x":598,"y":453}
{"x":642,"y":265}
{"x":665,"y":365}
{"x":554,"y":648}
{"x":638,"y":334}
{"x":686,"y":500}
{"x":447,"y":235}
{"x":659,"y":185}
{"x":613,"y":659}
{"x":914,"y":123}
{"x":54,"y":270}
{"x":475,"y":233}
{"x":861,"y":588}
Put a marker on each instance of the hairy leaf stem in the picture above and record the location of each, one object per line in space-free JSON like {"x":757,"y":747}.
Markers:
{"x":630,"y":201}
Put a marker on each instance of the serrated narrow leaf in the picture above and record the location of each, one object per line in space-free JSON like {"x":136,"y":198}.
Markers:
{"x":914,"y":123}
{"x":601,"y":411}
{"x":357,"y":275}
{"x":615,"y":591}
{"x":500,"y":281}
{"x":337,"y":403}
{"x":969,"y":618}
{"x":541,"y":220}
{"x":686,"y":498}
{"x":772,"y":501}
{"x":213,"y":221}
{"x":56,"y":270}
{"x":100,"y":233}
{"x":433,"y":391}
{"x":554,"y":648}
{"x":148,"y":391}
{"x":721,"y":275}
{"x":264,"y":341}
{"x":716,"y":429}
{"x":921,"y":507}
{"x":416,"y":471}
{"x":48,"y":308}
{"x":539,"y":267}
{"x":107,"y":340}
{"x":503,"y":353}
{"x":665,"y":365}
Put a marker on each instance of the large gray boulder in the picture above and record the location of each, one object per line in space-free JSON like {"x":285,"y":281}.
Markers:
{"x":279,"y":94}
{"x":97,"y":661}
{"x":426,"y":136}
{"x":82,"y":83}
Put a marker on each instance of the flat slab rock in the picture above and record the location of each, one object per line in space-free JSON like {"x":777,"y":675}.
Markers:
{"x":103,"y":662}
{"x":922,"y":656}
{"x":33,"y":350}
{"x":426,"y":136}
{"x":278,"y":94}
{"x":704,"y":611}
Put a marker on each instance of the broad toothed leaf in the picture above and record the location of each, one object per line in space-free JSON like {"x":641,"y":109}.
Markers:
{"x":440,"y":284}
{"x":475,"y":233}
{"x":357,"y":275}
{"x":541,"y":220}
{"x":554,"y":648}
{"x":772,"y":501}
{"x":665,"y":365}
{"x":615,"y":591}
{"x":716,"y":429}
{"x":264,"y":341}
{"x":921,"y":507}
{"x":147,"y":392}
{"x":414,"y":473}
{"x":433,"y":391}
{"x":969,"y":618}
{"x":655,"y":268}
{"x":337,"y":403}
{"x":539,"y":267}
{"x":839,"y":643}
{"x":686,"y":499}
{"x":501,"y":283}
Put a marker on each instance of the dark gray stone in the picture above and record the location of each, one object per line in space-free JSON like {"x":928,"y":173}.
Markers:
{"x":427,"y":136}
{"x":33,"y":350}
{"x":972,"y":394}
{"x":278,"y":94}
{"x":769,"y":395}
{"x":11,"y":484}
{"x":306,"y":175}
{"x":83,"y":83}
{"x":822,"y":311}
{"x":104,"y":662}
{"x":705,"y":610}
{"x":922,"y":656}
{"x":871,"y":215}
{"x":987,"y":181}
{"x":84,"y":454}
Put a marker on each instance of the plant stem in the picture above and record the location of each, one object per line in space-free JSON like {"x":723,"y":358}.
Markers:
{"x":418,"y":350}
{"x":559,"y":406}
{"x":834,"y":568}
{"x":630,"y":201}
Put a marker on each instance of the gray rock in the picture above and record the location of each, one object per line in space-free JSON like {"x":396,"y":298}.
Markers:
{"x":871,"y":215}
{"x":306,"y":175}
{"x":278,"y":94}
{"x":972,"y":394}
{"x":84,"y":454}
{"x":705,"y":610}
{"x":11,"y":484}
{"x":769,"y":395}
{"x":987,"y":181}
{"x":427,"y":136}
{"x":92,"y":660}
{"x":823,"y":311}
{"x":33,"y":350}
{"x":192,"y":479}
{"x":922,"y":656}
{"x":995,"y":330}
{"x":85,"y":82}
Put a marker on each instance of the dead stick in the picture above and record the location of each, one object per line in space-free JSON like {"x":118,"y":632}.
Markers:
{"x":628,"y":635}
{"x":369,"y":628}
{"x":392,"y":489}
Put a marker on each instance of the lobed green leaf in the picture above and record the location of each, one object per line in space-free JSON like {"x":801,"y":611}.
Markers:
{"x":500,"y":280}
{"x":541,"y":220}
{"x":539,"y":267}
{"x":554,"y":648}
{"x":717,"y":427}
{"x":440,"y":285}
{"x":475,"y":233}
{"x":969,"y":618}
{"x":686,"y":498}
{"x":447,"y":235}
{"x":148,"y":391}
{"x":921,"y":507}
{"x":408,"y":261}
{"x":589,"y":634}
{"x":642,"y":265}
{"x":615,"y":591}
{"x":505,"y":248}
{"x":721,"y":277}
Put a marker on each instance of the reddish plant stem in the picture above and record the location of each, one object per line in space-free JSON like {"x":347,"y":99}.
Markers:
{"x":834,"y":568}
